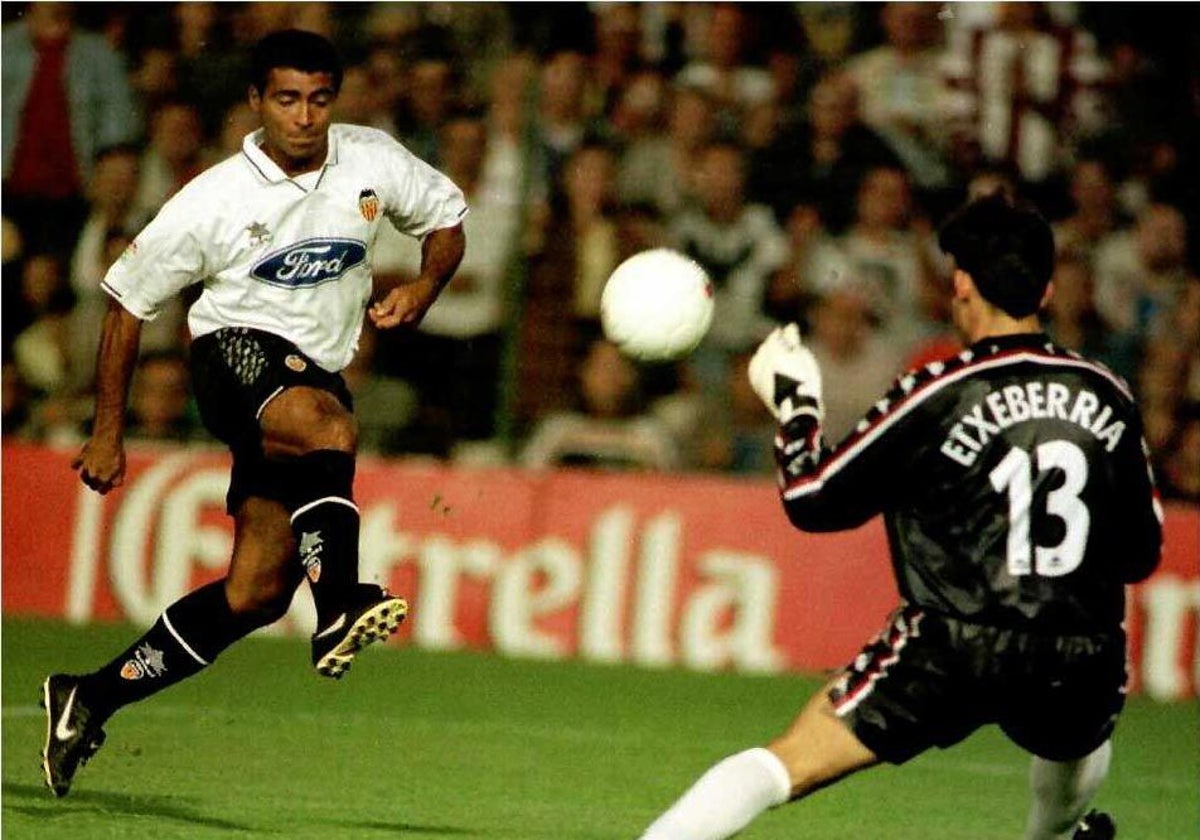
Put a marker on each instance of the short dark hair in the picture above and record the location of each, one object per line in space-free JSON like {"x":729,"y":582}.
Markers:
{"x":297,"y":49}
{"x":1006,"y":246}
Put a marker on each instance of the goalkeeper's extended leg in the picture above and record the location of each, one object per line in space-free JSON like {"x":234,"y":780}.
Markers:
{"x":186,"y":638}
{"x":816,"y":751}
{"x":1062,"y":791}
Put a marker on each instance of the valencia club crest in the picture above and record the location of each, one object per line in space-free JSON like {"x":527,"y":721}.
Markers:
{"x":368,"y":204}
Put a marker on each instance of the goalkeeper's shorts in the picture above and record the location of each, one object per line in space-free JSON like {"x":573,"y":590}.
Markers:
{"x":236,"y":372}
{"x":930,"y":681}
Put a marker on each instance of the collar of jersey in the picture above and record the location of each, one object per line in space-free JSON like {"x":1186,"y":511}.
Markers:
{"x":268,"y":168}
{"x":1013,"y":342}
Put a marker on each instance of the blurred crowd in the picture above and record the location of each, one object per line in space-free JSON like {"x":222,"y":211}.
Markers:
{"x":804,"y":153}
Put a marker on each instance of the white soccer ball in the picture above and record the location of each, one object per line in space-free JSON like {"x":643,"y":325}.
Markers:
{"x":657,"y":305}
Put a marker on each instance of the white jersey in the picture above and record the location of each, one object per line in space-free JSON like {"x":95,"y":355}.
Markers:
{"x":289,"y":256}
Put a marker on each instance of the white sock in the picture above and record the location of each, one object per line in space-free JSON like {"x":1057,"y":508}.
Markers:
{"x":725,"y":799}
{"x":1062,"y":791}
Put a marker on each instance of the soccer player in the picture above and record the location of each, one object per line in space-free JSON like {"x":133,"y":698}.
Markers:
{"x":280,"y":236}
{"x":1018,"y":502}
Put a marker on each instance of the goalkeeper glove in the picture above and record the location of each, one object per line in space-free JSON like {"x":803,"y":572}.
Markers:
{"x":786,"y":377}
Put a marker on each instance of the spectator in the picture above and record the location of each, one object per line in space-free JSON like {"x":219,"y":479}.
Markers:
{"x":238,"y":121}
{"x":610,"y":429}
{"x":1095,"y":216}
{"x":1164,"y":374}
{"x":589,"y":180}
{"x":1073,"y":322}
{"x":891,"y":255}
{"x":385,"y":406}
{"x":733,"y":433}
{"x":209,"y":71}
{"x":65,"y":96}
{"x":566,"y":278}
{"x":660,"y":169}
{"x":13,"y":242}
{"x":112,"y":215}
{"x":851,"y":353}
{"x":639,"y":108}
{"x":431,"y":88}
{"x":1142,"y":272}
{"x":900,"y":90}
{"x":111,"y":195}
{"x":1178,"y":468}
{"x":734,"y":85}
{"x":810,"y":251}
{"x":640,"y":227}
{"x":823,"y":159}
{"x":737,"y":242}
{"x":173,"y":156}
{"x":387,"y":72}
{"x":155,"y":78}
{"x":1170,"y":370}
{"x":1026,"y":90}
{"x":505,"y":168}
{"x":615,"y":60}
{"x":359,"y":102}
{"x":159,"y":399}
{"x":562,"y":118}
{"x":454,"y":359}
{"x":13,"y":313}
{"x":482,"y":31}
{"x":789,"y":61}
{"x":41,"y":347}
{"x":17,"y":406}
{"x":831,"y":31}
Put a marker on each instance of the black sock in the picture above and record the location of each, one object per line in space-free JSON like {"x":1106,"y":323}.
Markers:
{"x":187,"y":637}
{"x":325,"y":521}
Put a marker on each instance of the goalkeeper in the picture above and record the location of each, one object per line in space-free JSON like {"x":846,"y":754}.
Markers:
{"x":1018,"y":502}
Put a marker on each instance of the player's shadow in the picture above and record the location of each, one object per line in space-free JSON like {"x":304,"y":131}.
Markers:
{"x":410,"y":828}
{"x":36,"y":801}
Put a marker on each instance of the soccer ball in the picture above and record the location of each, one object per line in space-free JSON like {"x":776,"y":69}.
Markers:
{"x":657,"y":305}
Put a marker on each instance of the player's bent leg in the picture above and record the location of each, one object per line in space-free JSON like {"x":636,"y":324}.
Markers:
{"x":817,"y":750}
{"x":311,"y":438}
{"x":186,"y":638}
{"x":263,"y":573}
{"x":309,"y":441}
{"x":1061,"y":793}
{"x":300,"y":420}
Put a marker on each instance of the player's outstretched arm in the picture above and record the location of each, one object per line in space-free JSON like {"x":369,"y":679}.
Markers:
{"x":101,"y":462}
{"x":441,"y":252}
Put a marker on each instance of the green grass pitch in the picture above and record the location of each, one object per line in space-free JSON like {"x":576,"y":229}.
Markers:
{"x":422,"y":745}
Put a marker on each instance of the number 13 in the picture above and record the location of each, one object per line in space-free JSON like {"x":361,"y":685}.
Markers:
{"x":1015,"y":474}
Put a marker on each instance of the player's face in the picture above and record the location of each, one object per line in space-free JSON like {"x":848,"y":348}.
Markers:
{"x":295,"y":108}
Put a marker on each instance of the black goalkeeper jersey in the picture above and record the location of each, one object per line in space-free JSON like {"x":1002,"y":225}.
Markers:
{"x":1013,"y":480}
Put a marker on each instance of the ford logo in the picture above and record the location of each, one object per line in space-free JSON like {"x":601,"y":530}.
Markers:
{"x":310,"y":263}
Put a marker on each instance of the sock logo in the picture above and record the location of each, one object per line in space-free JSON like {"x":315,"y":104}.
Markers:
{"x":145,"y":662}
{"x":310,"y":554}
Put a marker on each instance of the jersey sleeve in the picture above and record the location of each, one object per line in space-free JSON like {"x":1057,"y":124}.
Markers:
{"x":417,"y":198}
{"x":164,"y":259}
{"x":1142,"y":532}
{"x":833,"y":489}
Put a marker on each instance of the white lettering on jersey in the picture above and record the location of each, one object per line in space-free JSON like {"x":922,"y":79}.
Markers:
{"x":1013,"y":404}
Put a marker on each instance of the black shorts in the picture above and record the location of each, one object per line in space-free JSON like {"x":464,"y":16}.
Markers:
{"x":930,"y":681}
{"x":235,"y":372}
